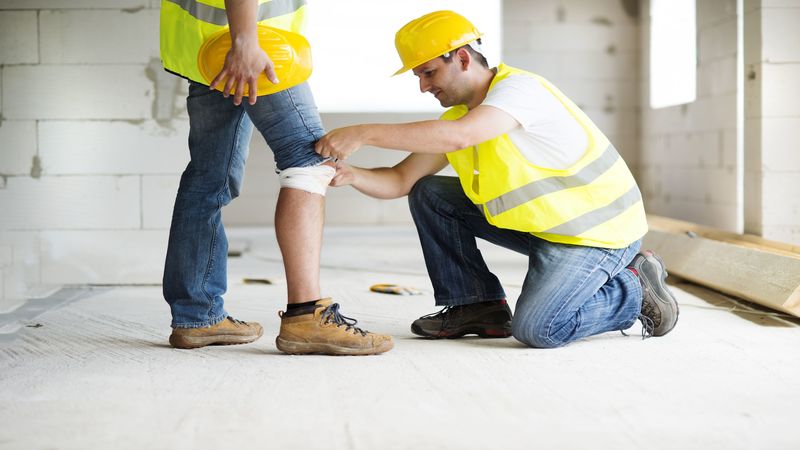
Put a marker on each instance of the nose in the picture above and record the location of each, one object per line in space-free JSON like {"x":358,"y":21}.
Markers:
{"x":424,"y":86}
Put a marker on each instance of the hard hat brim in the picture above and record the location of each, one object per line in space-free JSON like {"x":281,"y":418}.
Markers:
{"x":410,"y":66}
{"x":289,"y":52}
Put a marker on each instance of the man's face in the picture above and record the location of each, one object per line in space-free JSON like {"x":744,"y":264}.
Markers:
{"x":441,"y":79}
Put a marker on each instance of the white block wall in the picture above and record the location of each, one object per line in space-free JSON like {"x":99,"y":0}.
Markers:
{"x":92,"y":142}
{"x":590,"y":50}
{"x":772,"y":119}
{"x":688,"y":161}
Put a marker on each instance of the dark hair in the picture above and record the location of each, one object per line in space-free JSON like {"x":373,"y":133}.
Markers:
{"x":448,"y":57}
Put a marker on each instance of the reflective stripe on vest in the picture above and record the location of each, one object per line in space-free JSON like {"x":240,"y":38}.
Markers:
{"x":591,"y":219}
{"x":217,"y":16}
{"x":546,"y":186}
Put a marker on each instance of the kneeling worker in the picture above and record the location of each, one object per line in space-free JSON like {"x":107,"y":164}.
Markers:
{"x":535,"y":175}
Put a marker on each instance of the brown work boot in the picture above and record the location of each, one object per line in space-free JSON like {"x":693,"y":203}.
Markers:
{"x":326,"y":331}
{"x":228,"y":332}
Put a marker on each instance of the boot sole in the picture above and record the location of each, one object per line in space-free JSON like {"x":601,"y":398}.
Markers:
{"x":189,"y":342}
{"x":668,"y":300}
{"x":307,"y":348}
{"x":483,"y":332}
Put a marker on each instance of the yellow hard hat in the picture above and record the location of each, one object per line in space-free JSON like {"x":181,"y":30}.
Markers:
{"x":290,"y":52}
{"x":431,"y":36}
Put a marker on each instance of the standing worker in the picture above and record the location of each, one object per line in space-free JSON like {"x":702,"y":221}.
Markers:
{"x":195,"y":275}
{"x":535,"y":175}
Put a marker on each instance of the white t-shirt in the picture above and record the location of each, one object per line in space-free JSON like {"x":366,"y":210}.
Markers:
{"x":547,"y":135}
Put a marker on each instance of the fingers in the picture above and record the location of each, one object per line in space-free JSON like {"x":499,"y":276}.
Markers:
{"x":220,"y":76}
{"x":269,"y":71}
{"x":239,"y":92}
{"x":253,"y":90}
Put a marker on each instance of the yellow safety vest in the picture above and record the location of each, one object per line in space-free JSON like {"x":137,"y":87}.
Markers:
{"x":185,"y":24}
{"x":595,"y":202}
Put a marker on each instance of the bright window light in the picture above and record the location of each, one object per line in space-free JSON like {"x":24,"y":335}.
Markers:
{"x":354,"y":56}
{"x":673,"y":52}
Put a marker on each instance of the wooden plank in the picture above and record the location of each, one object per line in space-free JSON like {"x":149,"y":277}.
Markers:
{"x":757,"y":270}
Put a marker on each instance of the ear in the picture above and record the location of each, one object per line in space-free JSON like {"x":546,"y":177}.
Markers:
{"x":464,"y":58}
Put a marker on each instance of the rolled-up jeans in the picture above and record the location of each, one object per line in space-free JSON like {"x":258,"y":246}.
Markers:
{"x":195,"y":271}
{"x":570,"y":291}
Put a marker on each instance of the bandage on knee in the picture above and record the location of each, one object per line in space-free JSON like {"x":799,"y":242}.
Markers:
{"x":314,"y":179}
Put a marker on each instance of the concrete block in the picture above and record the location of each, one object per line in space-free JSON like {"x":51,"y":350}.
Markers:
{"x":781,"y":198}
{"x":19,"y":37}
{"x":6,"y":256}
{"x":780,"y":35}
{"x":717,"y":41}
{"x":526,"y":11}
{"x":107,"y":257}
{"x":99,"y":36}
{"x":780,"y":90}
{"x":78,"y":92}
{"x":729,"y":149}
{"x":580,"y":37}
{"x":780,"y":3}
{"x":753,"y":211}
{"x":22,"y":274}
{"x":75,"y":4}
{"x":780,"y":144}
{"x":787,"y":233}
{"x":717,"y":77}
{"x":610,"y":95}
{"x":18,"y":140}
{"x":395,"y":212}
{"x":614,"y":122}
{"x":158,"y":198}
{"x":604,"y":12}
{"x":753,"y":91}
{"x":102,"y":147}
{"x":712,"y":12}
{"x":752,"y":36}
{"x":546,"y":64}
{"x":654,"y":150}
{"x":618,"y":65}
{"x":71,"y":203}
{"x":346,"y":206}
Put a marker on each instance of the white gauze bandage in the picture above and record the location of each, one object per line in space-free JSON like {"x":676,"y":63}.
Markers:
{"x":314,"y":179}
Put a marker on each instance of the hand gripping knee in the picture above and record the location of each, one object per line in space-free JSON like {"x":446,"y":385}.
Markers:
{"x":314,"y":179}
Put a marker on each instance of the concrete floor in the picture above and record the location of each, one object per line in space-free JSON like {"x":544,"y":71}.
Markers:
{"x":90,"y":368}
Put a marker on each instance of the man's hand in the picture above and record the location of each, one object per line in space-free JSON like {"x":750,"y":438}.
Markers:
{"x":344,"y":176}
{"x":341,"y":142}
{"x":244,"y":63}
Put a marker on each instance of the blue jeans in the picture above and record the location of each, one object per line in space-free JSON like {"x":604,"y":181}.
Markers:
{"x":195,"y":271}
{"x":570,"y":292}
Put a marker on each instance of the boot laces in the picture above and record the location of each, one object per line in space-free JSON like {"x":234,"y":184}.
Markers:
{"x":442,"y":312}
{"x":331,"y":314}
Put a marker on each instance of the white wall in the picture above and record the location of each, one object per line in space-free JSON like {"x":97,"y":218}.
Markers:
{"x":688,"y":163}
{"x":772,"y":119}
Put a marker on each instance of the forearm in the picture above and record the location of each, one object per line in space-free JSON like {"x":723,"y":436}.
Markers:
{"x":242,"y":16}
{"x":381,"y":182}
{"x":429,"y":136}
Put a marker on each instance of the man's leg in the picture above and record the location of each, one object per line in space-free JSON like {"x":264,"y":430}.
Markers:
{"x":448,"y":224}
{"x":571,"y":292}
{"x":299,"y":217}
{"x":290,"y":123}
{"x":195,"y":273}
